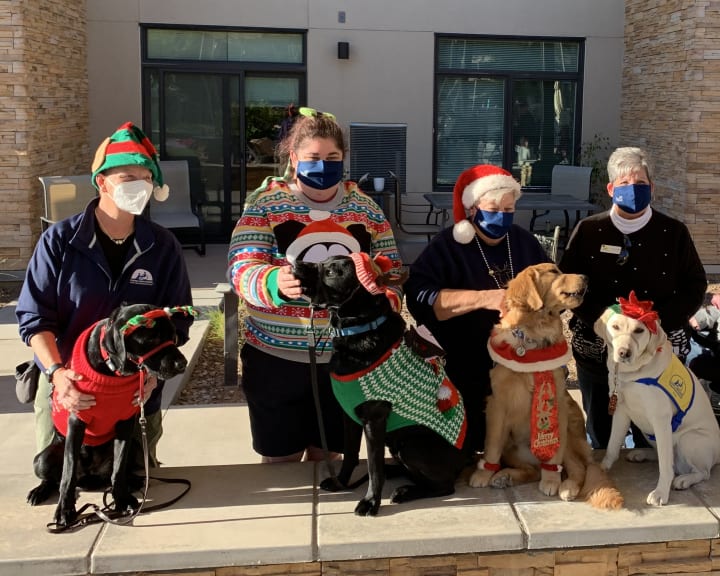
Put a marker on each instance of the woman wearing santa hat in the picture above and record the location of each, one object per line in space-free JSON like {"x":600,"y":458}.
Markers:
{"x":457,"y":285}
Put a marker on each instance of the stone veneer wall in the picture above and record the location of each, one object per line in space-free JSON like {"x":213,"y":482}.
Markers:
{"x":671,"y":107}
{"x":43,"y":112}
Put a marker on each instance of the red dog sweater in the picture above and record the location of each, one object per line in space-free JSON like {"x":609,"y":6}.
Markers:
{"x":113,"y":398}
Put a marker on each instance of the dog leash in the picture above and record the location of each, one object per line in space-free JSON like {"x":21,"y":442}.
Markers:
{"x":123,"y":517}
{"x":316,"y":393}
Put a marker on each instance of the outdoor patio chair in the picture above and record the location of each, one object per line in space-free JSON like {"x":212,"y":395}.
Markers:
{"x":181,"y":210}
{"x":550,"y":243}
{"x":567,"y":181}
{"x":403,"y":208}
{"x":64,"y":196}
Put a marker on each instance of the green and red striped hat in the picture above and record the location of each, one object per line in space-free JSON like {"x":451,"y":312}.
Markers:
{"x":128,"y":146}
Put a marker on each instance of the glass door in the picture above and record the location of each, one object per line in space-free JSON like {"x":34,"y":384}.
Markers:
{"x":226,"y":126}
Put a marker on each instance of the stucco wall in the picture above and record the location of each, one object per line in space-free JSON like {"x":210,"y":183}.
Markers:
{"x":43,"y":112}
{"x":671,"y":106}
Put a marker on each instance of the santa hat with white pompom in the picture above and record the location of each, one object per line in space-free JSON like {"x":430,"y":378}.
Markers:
{"x":471,"y":186}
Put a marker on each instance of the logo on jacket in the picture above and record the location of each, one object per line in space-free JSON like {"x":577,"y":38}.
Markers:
{"x":142,"y":277}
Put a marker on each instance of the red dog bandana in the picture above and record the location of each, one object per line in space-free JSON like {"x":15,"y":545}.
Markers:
{"x":544,"y":417}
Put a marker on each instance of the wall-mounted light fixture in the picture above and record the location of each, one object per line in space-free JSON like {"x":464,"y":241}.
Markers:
{"x":343,"y":50}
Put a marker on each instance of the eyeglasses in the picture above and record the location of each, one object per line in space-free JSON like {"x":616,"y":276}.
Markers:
{"x":625,"y":252}
{"x":305,"y":111}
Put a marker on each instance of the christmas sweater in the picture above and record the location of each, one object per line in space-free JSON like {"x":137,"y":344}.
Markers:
{"x":279,"y":226}
{"x":114,"y":397}
{"x":419,"y":391}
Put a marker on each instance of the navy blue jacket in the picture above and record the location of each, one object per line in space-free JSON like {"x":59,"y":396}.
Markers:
{"x":69,"y":285}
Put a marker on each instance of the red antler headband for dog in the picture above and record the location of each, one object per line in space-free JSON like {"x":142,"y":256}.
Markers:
{"x":147,"y":320}
{"x":638,"y":309}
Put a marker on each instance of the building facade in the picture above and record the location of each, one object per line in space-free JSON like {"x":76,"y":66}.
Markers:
{"x":516,"y":83}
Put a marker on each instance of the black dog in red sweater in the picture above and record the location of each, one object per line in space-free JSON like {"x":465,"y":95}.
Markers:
{"x":91,"y":447}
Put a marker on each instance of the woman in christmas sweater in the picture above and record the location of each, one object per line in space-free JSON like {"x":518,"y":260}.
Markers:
{"x":457,"y":285}
{"x":309,"y":215}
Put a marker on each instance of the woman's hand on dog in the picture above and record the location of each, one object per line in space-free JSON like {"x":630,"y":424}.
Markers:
{"x":150,"y":385}
{"x":288,"y":285}
{"x":68,"y":395}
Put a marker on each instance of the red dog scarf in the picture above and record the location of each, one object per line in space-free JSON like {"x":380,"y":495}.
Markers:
{"x":544,"y":419}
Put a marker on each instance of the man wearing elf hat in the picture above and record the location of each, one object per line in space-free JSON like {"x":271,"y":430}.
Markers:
{"x":88,"y":264}
{"x":457,"y":285}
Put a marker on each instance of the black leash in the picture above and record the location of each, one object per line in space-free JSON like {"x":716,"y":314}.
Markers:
{"x":122,"y":517}
{"x":316,"y":394}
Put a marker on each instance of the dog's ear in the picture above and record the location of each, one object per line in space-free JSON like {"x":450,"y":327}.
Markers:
{"x":600,"y":325}
{"x":522,"y":291}
{"x":657,"y":339}
{"x":114,"y":341}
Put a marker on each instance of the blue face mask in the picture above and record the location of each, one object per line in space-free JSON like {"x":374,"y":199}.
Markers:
{"x":632,"y":198}
{"x":320,"y":174}
{"x":493,"y":224}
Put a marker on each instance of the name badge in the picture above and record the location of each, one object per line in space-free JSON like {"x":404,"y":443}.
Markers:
{"x":610,"y":249}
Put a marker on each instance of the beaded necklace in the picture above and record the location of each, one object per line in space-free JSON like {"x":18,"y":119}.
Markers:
{"x":492,"y":271}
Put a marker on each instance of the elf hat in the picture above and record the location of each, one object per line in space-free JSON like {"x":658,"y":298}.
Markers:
{"x":472,"y":185}
{"x":128,"y":146}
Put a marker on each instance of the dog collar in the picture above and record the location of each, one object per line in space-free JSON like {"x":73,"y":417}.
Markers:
{"x":139,"y":361}
{"x":533,"y":360}
{"x":354,"y":330}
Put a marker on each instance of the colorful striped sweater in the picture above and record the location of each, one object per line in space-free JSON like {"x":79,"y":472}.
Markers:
{"x":278,"y":224}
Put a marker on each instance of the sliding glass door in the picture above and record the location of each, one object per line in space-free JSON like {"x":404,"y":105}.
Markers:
{"x":217,"y":99}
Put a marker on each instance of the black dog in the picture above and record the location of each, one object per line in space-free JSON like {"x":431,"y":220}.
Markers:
{"x":91,"y":447}
{"x":365,"y":331}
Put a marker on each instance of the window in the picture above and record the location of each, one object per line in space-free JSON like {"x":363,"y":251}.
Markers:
{"x":513,"y":103}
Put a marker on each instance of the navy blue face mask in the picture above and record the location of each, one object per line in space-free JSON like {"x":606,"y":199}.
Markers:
{"x":632,"y":198}
{"x":493,"y":224}
{"x":320,"y":174}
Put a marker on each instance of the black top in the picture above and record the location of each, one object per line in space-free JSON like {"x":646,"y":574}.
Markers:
{"x":662,"y":265}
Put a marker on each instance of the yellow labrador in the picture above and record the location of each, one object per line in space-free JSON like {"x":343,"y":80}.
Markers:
{"x":650,"y":386}
{"x":530,"y":352}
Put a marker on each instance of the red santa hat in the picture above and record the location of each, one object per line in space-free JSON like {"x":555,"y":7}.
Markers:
{"x":472,"y":185}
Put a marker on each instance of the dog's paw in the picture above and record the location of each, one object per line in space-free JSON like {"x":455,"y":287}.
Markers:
{"x":606,"y":464}
{"x":332,"y":484}
{"x":569,"y":490}
{"x":550,"y":486}
{"x":501,"y":480}
{"x":658,"y":498}
{"x":684,"y":481}
{"x":65,"y":515}
{"x":637,"y":455}
{"x":126,"y":502}
{"x":367,"y":507}
{"x":480,"y":478}
{"x":40,"y":493}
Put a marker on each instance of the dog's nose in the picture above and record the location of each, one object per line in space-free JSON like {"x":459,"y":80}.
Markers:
{"x":180,"y":364}
{"x":625,"y":353}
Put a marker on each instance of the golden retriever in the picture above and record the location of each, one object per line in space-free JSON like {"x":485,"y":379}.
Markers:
{"x":530,"y":352}
{"x":679,"y":423}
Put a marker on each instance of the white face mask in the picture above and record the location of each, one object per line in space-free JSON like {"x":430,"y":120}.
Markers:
{"x":132,"y":196}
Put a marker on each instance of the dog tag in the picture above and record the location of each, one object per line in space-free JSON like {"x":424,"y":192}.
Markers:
{"x":612,"y":404}
{"x":520,"y":351}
